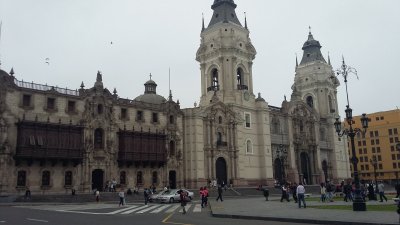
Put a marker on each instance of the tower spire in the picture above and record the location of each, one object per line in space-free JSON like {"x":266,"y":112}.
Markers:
{"x":245,"y":21}
{"x":329,"y":59}
{"x":224,"y":12}
{"x":202,"y":22}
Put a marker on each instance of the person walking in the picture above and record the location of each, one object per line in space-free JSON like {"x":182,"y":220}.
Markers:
{"x":121,"y":195}
{"x":146,"y":196}
{"x":205,"y":192}
{"x":381,"y":189}
{"x":284,"y":193}
{"x":97,"y":193}
{"x":294,"y":191}
{"x":201,"y":194}
{"x":266,"y":193}
{"x":323,"y":192}
{"x":183,"y":198}
{"x":300,"y":195}
{"x":219,"y":193}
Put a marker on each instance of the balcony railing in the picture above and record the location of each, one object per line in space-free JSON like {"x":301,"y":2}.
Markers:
{"x":242,"y":87}
{"x":42,"y":87}
{"x":222,"y":143}
{"x":213,"y":88}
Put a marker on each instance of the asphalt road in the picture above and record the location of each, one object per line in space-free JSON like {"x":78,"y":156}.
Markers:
{"x":51,"y":215}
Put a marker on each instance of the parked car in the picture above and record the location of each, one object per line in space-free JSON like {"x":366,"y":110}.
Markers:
{"x":172,"y":196}
{"x":154,"y":197}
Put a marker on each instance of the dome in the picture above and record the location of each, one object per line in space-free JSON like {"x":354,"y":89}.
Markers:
{"x":151,"y":98}
{"x":150,"y":94}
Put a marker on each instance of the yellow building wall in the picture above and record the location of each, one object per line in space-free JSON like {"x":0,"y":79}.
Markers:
{"x":379,"y":141}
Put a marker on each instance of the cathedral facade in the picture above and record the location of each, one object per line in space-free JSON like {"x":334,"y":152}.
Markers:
{"x":54,"y":139}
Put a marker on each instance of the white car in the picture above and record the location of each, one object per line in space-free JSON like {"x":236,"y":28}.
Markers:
{"x":172,"y":196}
{"x":154,"y":197}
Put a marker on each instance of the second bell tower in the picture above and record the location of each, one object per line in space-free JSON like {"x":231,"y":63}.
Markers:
{"x":226,"y":57}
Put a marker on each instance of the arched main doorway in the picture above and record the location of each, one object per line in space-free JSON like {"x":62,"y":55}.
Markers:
{"x":278,"y":173}
{"x":172,"y":179}
{"x":305,"y":168}
{"x":97,"y":179}
{"x":221,"y":171}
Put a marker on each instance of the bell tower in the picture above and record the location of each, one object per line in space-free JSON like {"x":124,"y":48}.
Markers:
{"x":315,"y":82}
{"x":226,"y":57}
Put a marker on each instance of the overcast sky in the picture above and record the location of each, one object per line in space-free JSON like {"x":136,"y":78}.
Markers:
{"x":151,"y":36}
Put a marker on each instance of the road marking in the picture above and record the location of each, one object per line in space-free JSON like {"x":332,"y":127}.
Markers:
{"x":148,"y":209}
{"x":36,"y":220}
{"x":160,"y":209}
{"x":136,"y":209}
{"x":168,"y":217}
{"x":197,"y":208}
{"x":186,"y":208}
{"x":122,"y":210}
{"x":2,"y":221}
{"x":172,"y":209}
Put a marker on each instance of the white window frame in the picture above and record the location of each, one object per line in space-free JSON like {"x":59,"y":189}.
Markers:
{"x":245,"y":121}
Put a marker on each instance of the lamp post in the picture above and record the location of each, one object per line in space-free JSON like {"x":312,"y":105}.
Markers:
{"x":358,"y":203}
{"x":374,"y":163}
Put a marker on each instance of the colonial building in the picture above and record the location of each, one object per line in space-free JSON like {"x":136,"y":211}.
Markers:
{"x":54,"y":139}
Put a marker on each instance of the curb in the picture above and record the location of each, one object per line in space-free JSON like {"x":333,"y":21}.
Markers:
{"x":294,"y":220}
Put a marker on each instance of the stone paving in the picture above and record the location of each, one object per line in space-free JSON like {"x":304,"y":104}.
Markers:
{"x":274,"y":210}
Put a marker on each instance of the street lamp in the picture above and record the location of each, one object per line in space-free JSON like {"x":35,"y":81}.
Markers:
{"x":358,"y":203}
{"x":374,"y":163}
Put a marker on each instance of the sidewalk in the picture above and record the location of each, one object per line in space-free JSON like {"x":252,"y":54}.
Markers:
{"x":274,"y":210}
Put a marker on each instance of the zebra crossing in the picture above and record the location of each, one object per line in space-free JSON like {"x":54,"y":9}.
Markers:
{"x":112,"y":209}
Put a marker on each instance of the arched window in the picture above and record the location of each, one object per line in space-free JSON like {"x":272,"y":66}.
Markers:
{"x":98,"y":138}
{"x":219,"y":137}
{"x":122,"y":177}
{"x":155,"y":178}
{"x":171,"y":119}
{"x":214,"y":79}
{"x":172,"y":148}
{"x":68,"y":178}
{"x":220,"y":119}
{"x":331,"y":109}
{"x":100,"y":109}
{"x":301,"y":126}
{"x":323,"y":135}
{"x":249,"y":147}
{"x":310,"y":101}
{"x":46,"y":178}
{"x":239,"y":77}
{"x":21,"y":178}
{"x":276,"y":126}
{"x":139,"y":178}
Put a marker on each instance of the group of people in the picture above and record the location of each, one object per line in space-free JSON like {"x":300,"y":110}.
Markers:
{"x":348,"y":189}
{"x":297,"y":192}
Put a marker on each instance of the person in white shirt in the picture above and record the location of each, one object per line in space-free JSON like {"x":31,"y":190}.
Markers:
{"x":121,"y":195}
{"x":300,"y":195}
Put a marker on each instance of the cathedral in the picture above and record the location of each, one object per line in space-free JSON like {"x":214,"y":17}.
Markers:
{"x":53,"y":140}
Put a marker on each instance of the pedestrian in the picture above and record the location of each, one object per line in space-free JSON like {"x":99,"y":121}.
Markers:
{"x":146,"y":196}
{"x":323,"y":192}
{"x":183,"y":198}
{"x":294,"y":191}
{"x":300,"y":195}
{"x":201,"y":194}
{"x":205,"y":191}
{"x":27,"y":193}
{"x":219,"y":193}
{"x":284,"y":193}
{"x":97,"y":193}
{"x":397,"y":188}
{"x":347,"y":192}
{"x":266,"y":193}
{"x":121,"y":195}
{"x":381,"y":189}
